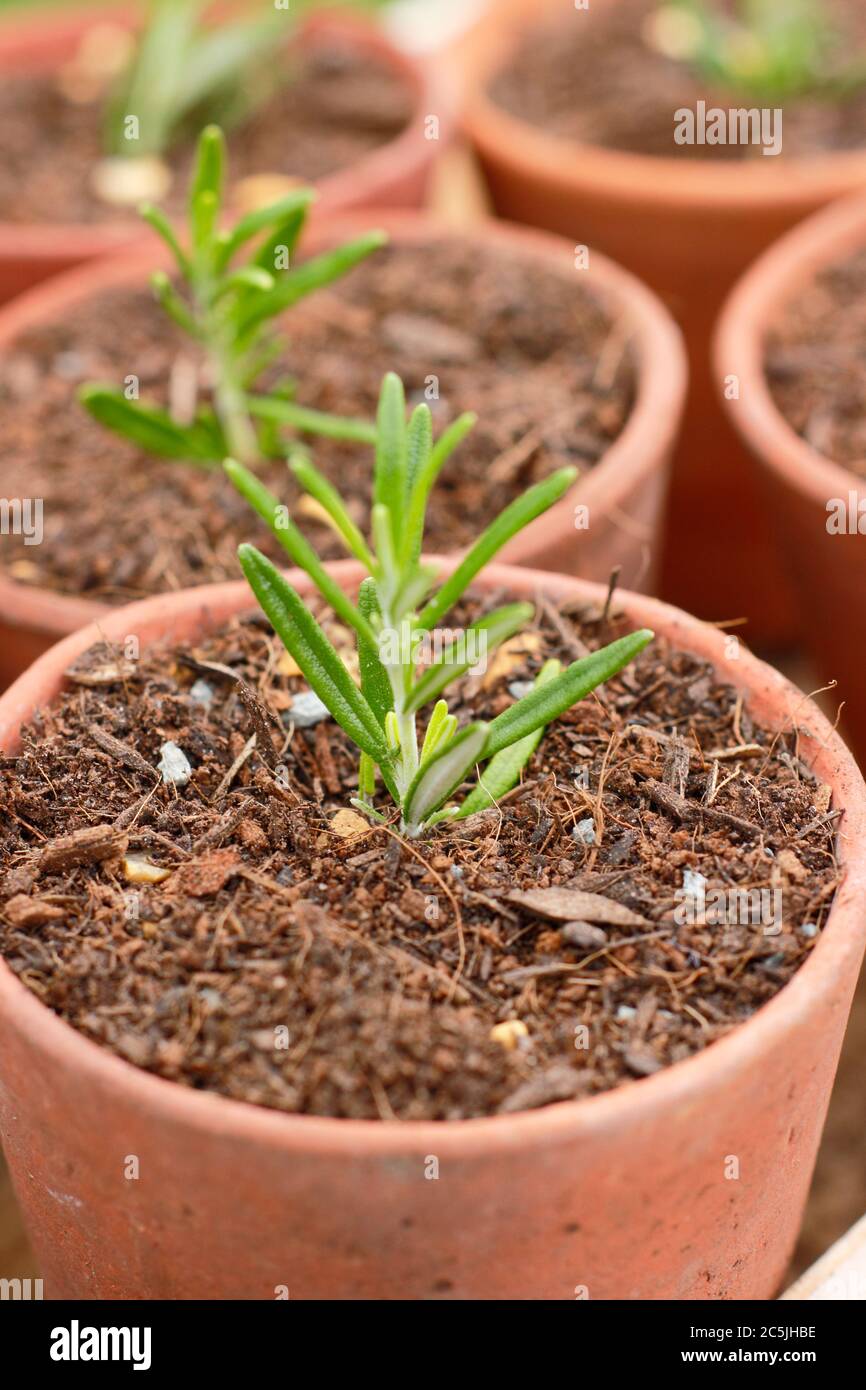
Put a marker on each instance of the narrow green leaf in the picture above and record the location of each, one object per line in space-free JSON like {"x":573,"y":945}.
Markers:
{"x":503,"y":772}
{"x":389,"y":478}
{"x":153,"y":86}
{"x":366,"y":778}
{"x":259,"y":219}
{"x":224,"y":58}
{"x":375,"y":684}
{"x":422,"y":485}
{"x":157,"y":219}
{"x":414,"y":588}
{"x":147,"y":427}
{"x":247,"y":277}
{"x":576,"y":681}
{"x":322,"y":667}
{"x":172,"y":303}
{"x":494,"y":628}
{"x":524,"y":509}
{"x":271,"y":510}
{"x":440,"y":728}
{"x":419,"y":445}
{"x":441,"y":775}
{"x":327,"y":496}
{"x":204,"y":217}
{"x":316,"y":422}
{"x":281,"y":243}
{"x":209,"y":171}
{"x":387,"y":574}
{"x":312,"y":275}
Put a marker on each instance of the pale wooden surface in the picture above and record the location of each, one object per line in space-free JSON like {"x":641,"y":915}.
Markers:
{"x":839,"y":1276}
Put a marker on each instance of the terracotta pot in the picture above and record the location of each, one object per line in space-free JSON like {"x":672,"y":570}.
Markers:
{"x":624,"y":494}
{"x":689,"y":228}
{"x":395,"y":175}
{"x":829,"y":571}
{"x":624,"y":1193}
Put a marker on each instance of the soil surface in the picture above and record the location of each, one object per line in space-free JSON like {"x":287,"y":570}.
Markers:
{"x":285,"y":963}
{"x":338,"y":105}
{"x":540,"y":361}
{"x":595,"y":76}
{"x":816,"y":363}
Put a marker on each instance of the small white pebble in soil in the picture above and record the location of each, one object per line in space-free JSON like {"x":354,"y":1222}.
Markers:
{"x":138,"y":869}
{"x":510,"y":1033}
{"x":71,"y":366}
{"x":174,"y":765}
{"x":584,"y":832}
{"x":694,"y":884}
{"x":625,"y":1012}
{"x":809,"y":929}
{"x":307,"y":709}
{"x":520,"y":688}
{"x":202,"y":693}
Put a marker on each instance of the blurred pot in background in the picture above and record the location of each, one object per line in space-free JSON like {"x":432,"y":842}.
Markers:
{"x":575,"y":130}
{"x":354,"y":117}
{"x":791,"y":337}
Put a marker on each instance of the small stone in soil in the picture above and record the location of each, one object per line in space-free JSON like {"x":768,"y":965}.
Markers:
{"x":202,"y":693}
{"x":583,"y":934}
{"x":694,"y":884}
{"x":307,"y":709}
{"x":584,"y":832}
{"x":174,"y":765}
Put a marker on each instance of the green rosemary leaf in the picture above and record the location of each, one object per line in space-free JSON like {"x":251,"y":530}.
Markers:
{"x":146,"y":426}
{"x":312,"y":275}
{"x":313,"y":482}
{"x":389,"y":477}
{"x":312,"y":421}
{"x":553,"y":699}
{"x":524,"y":509}
{"x":278,"y":213}
{"x":303,"y":637}
{"x":438,"y":778}
{"x":492,"y":630}
{"x":271,"y":510}
{"x":504,"y":770}
{"x":375,"y":684}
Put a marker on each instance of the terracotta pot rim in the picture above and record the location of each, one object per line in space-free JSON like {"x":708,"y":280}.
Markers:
{"x":680,"y":1084}
{"x":772,"y":281}
{"x":430,"y":88}
{"x":734,"y":186}
{"x":641,"y":447}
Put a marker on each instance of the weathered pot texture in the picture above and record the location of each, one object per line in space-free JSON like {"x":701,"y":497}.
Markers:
{"x":622,"y":1195}
{"x":689,"y":228}
{"x":395,"y":175}
{"x":828,"y":569}
{"x":623,"y":495}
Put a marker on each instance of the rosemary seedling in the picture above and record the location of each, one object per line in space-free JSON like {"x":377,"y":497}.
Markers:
{"x":185,"y":71}
{"x":229,"y":308}
{"x":397,"y":606}
{"x":768,"y":50}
